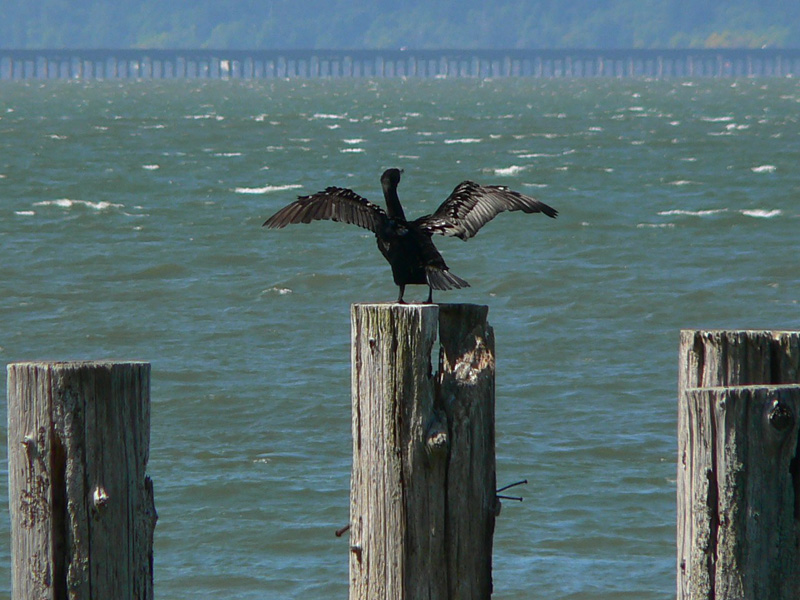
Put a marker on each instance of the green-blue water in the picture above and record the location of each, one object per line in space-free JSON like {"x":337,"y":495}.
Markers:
{"x":130,"y":228}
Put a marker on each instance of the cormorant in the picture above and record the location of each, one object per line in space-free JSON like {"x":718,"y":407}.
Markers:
{"x":407,"y":245}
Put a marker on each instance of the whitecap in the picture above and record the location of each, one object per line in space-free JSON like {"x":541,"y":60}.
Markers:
{"x":67,"y":203}
{"x":351,"y":150}
{"x":538,"y":155}
{"x":655,"y":225}
{"x":388,"y":129}
{"x":764,"y":169}
{"x":25,"y":213}
{"x":681,"y":182}
{"x":693,"y":213}
{"x":717,"y":119}
{"x":227,"y":154}
{"x":463,"y":141}
{"x":354,"y":141}
{"x":277,"y":290}
{"x":201,"y":117}
{"x":328,"y":116}
{"x":761,"y":214}
{"x":267,"y":189}
{"x":512,"y":170}
{"x":151,"y":167}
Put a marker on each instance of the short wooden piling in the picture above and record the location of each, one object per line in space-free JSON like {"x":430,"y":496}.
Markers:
{"x":423,"y":499}
{"x":82,"y":511}
{"x":739,"y":465}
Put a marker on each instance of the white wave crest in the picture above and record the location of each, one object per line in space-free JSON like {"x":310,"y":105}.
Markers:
{"x":276,"y":290}
{"x":267,"y":189}
{"x":693,"y":213}
{"x":512,"y":170}
{"x":67,"y":203}
{"x":761,"y":214}
{"x":463,"y":141}
{"x":764,"y":169}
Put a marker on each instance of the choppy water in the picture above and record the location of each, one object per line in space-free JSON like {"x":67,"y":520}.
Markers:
{"x":130,"y":228}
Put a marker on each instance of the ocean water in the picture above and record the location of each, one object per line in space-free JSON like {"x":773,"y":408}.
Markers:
{"x":130,"y":228}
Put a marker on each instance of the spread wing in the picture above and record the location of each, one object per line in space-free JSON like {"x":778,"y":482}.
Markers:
{"x":335,"y":204}
{"x":471,"y":206}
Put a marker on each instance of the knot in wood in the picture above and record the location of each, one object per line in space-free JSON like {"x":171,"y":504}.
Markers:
{"x":465,"y":373}
{"x":29,"y":442}
{"x":780,"y":416}
{"x":99,"y":497}
{"x":437,"y":441}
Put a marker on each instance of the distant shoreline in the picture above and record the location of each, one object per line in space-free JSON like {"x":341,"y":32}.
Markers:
{"x":270,"y":64}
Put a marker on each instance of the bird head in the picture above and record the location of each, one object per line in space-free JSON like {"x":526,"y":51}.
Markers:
{"x":391,"y":177}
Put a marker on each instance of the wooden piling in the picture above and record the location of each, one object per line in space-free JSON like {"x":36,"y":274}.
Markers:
{"x":423,"y":499}
{"x":739,"y":465}
{"x":720,"y":358}
{"x":82,"y":512}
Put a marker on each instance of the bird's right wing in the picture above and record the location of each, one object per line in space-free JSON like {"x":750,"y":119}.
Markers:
{"x":334,"y":204}
{"x":471,"y":206}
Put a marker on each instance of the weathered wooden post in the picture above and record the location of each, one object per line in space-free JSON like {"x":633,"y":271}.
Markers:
{"x":82,"y":512}
{"x":423,"y":499}
{"x":739,"y":465}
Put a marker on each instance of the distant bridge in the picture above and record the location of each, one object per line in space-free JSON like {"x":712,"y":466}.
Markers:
{"x":268,"y":64}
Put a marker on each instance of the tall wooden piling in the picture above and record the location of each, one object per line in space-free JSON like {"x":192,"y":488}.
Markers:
{"x":739,"y":465}
{"x":81,"y":504}
{"x":423,"y":500}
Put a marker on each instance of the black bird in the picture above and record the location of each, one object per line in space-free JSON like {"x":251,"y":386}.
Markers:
{"x":407,"y":245}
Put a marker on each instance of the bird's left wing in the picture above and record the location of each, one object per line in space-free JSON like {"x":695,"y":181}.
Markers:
{"x":334,"y":204}
{"x":471,"y":206}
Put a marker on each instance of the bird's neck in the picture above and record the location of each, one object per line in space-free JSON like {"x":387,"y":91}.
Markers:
{"x":393,"y":207}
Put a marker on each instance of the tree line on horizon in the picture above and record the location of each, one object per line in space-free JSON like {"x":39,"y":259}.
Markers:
{"x":385,"y":24}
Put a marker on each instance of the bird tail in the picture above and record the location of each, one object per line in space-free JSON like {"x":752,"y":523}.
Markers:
{"x":442,"y":279}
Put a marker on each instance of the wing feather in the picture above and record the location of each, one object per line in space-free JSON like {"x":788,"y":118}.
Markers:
{"x":471,"y":206}
{"x":334,"y":204}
